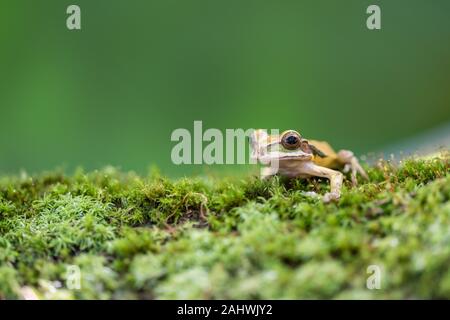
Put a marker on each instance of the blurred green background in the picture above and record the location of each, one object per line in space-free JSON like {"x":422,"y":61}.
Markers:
{"x":112,"y":93}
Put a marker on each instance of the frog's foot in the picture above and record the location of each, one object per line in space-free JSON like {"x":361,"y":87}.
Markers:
{"x":310,"y":194}
{"x":335,"y":178}
{"x":331,"y":196}
{"x":267,"y":172}
{"x":351,"y":163}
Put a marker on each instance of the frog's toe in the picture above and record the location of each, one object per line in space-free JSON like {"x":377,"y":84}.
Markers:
{"x":347,"y":168}
{"x":351,"y":164}
{"x":311,"y":194}
{"x":357,"y":168}
{"x":331,"y":196}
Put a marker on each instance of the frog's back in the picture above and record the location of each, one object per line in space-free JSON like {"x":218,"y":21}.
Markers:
{"x":331,"y":159}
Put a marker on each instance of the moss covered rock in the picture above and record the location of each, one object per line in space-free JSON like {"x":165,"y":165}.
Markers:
{"x":218,"y":238}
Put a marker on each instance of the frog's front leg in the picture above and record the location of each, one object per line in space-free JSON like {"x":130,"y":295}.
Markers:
{"x":349,"y":161}
{"x":335,"y":178}
{"x":267,"y":172}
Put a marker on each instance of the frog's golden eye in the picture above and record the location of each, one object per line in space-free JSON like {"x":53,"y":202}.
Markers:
{"x":291,"y":140}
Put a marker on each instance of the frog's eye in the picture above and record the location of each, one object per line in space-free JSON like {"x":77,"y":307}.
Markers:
{"x":291,"y":140}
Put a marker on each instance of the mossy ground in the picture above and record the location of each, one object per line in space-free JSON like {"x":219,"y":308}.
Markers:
{"x":221,"y":238}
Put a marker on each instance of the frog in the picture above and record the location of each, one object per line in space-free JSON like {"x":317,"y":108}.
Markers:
{"x":289,"y":154}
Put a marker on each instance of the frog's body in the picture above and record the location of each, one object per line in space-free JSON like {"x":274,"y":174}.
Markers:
{"x":290,"y":155}
{"x":332,"y":160}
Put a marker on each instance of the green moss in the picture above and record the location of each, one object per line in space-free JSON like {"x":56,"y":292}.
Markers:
{"x":220,"y":238}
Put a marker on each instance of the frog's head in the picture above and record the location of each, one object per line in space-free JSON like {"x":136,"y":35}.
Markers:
{"x":287,"y":146}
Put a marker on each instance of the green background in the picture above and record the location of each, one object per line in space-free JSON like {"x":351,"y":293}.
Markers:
{"x":113,"y":92}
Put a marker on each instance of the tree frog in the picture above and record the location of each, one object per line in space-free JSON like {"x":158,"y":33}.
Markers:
{"x":289,"y":154}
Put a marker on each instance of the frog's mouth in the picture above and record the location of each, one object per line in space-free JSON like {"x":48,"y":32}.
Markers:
{"x":295,"y":155}
{"x":284,"y":156}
